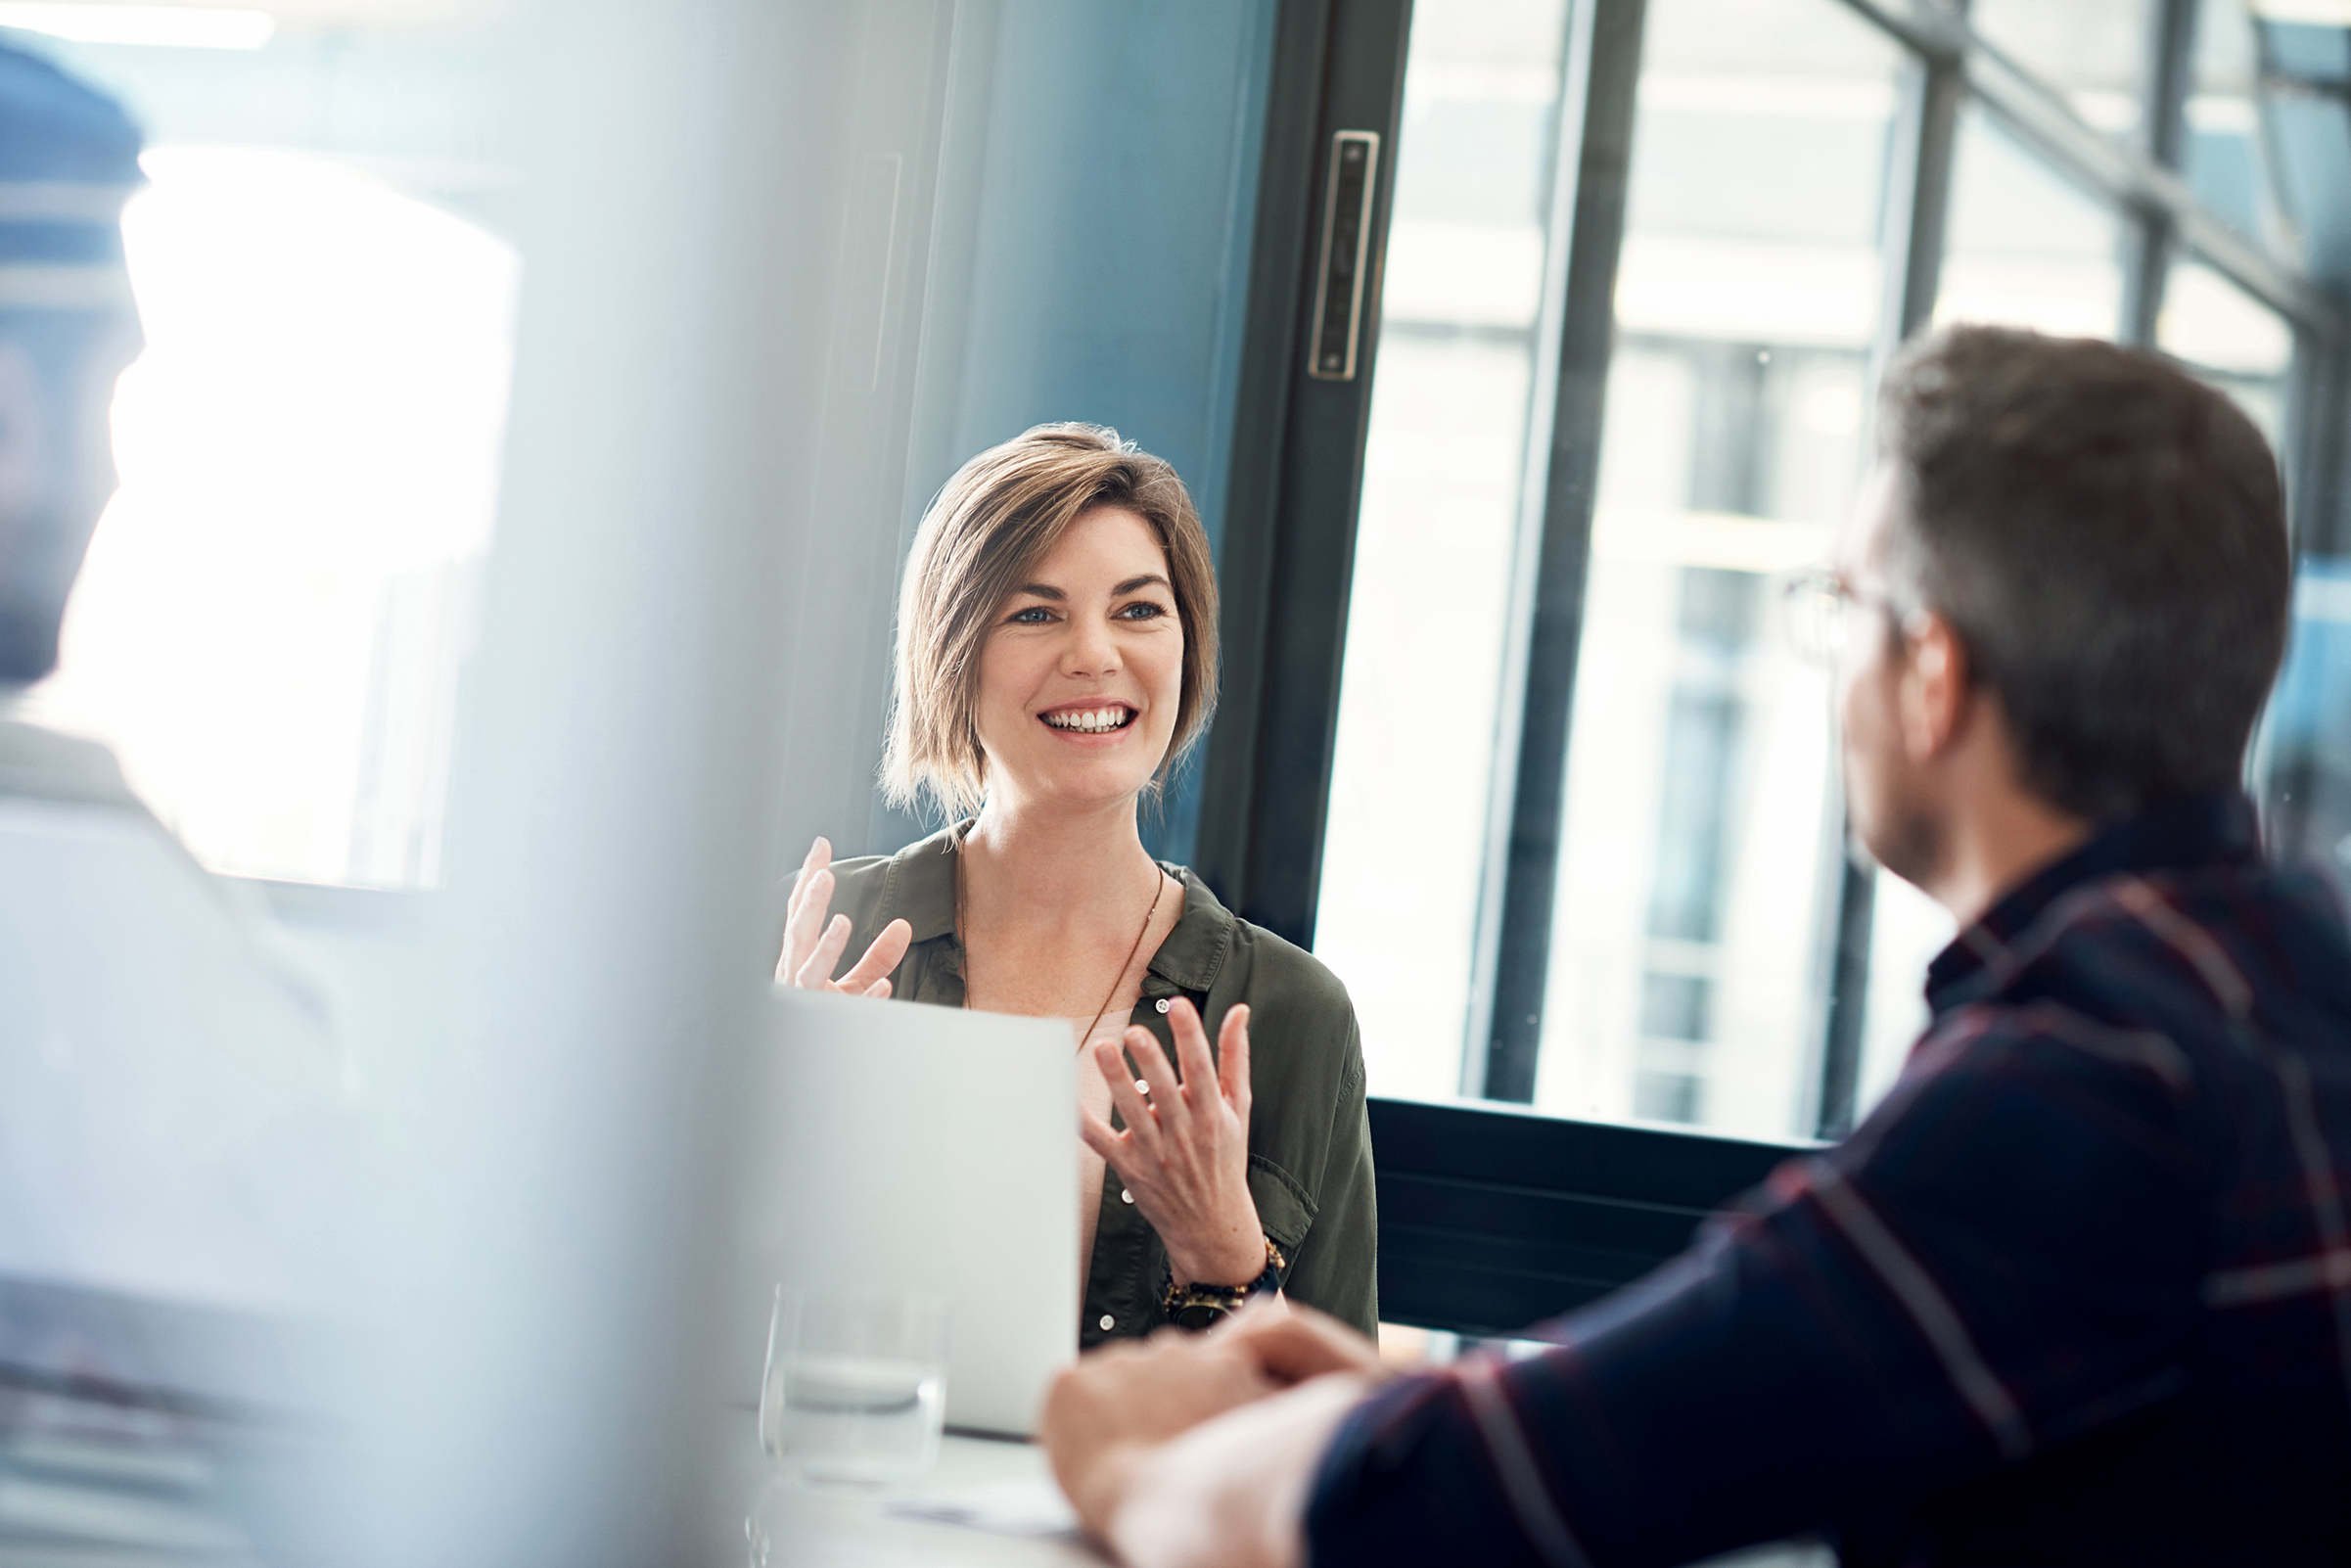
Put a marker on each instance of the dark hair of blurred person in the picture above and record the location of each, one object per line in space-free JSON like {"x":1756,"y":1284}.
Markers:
{"x":2079,"y":1288}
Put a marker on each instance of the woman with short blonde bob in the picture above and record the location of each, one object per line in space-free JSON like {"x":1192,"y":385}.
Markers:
{"x":1056,"y":658}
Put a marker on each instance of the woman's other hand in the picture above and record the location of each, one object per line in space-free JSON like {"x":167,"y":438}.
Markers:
{"x":1185,"y":1152}
{"x":813,"y":944}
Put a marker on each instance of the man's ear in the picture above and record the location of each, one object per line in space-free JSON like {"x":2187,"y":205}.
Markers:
{"x":1933,"y":698}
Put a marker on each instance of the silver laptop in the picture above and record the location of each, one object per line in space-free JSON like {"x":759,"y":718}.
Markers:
{"x":903,"y":1147}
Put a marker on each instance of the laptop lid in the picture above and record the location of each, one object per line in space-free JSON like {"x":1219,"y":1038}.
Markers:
{"x":904,"y":1147}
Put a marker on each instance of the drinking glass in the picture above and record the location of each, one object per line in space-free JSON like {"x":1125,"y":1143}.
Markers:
{"x":855,"y":1389}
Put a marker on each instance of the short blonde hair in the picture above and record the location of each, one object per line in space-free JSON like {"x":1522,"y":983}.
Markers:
{"x":1000,"y":515}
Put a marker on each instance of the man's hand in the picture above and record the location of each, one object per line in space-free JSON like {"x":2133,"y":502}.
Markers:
{"x":1291,"y":1344}
{"x":1125,"y":1398}
{"x":1172,"y":1452}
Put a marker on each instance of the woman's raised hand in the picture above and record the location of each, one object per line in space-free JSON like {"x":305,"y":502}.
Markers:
{"x":813,"y":944}
{"x":1185,"y":1152}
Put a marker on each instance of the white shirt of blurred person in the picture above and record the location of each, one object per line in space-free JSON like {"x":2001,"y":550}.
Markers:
{"x":151,"y":1062}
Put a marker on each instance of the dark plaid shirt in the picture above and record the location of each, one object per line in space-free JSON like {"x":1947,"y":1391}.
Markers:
{"x":2078,"y":1292}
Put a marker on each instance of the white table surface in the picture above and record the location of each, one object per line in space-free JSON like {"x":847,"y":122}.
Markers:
{"x":1007,"y":1483}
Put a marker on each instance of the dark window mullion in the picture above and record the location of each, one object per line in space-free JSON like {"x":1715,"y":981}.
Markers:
{"x":1283,"y":230}
{"x":1322,"y":489}
{"x":2164,"y":132}
{"x":1289,"y":540}
{"x":1918,"y":174}
{"x":1586,"y":328}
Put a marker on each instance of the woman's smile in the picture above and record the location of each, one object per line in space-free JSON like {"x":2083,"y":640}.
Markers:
{"x":1093,"y":721}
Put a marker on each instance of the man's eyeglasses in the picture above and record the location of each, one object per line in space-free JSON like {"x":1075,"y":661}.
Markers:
{"x":1820,"y":612}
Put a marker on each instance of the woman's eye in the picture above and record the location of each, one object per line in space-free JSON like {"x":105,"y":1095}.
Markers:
{"x":1143,"y":610}
{"x":1036,"y":615}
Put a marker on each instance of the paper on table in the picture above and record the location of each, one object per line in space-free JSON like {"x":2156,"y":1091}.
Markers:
{"x":1014,"y":1505}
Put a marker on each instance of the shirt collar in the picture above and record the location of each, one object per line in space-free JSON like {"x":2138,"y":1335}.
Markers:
{"x":924,"y":895}
{"x":922,"y":884}
{"x":2220,"y":828}
{"x":1194,"y":952}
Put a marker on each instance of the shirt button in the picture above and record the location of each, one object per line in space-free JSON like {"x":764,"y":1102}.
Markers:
{"x":1126,"y":1195}
{"x":1106,"y":1323}
{"x":1142,"y":1087}
{"x":1160,"y":1004}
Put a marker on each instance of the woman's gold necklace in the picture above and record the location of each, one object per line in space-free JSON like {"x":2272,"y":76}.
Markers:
{"x":1159,"y":889}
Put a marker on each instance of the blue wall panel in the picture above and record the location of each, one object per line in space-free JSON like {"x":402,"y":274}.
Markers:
{"x":1098,"y":184}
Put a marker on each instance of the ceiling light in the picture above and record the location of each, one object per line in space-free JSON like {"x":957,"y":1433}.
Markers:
{"x":163,"y":26}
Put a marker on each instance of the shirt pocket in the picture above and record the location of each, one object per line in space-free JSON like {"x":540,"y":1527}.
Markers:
{"x":1284,"y":1207}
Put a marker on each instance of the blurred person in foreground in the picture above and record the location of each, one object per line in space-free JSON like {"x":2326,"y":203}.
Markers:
{"x":2079,"y":1290}
{"x":162,"y":1162}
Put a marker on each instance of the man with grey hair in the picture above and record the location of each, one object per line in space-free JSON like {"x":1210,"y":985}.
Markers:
{"x":2079,"y":1290}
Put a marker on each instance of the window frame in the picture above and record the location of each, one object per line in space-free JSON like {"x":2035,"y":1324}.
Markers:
{"x":1290,"y":528}
{"x":1296,"y":479}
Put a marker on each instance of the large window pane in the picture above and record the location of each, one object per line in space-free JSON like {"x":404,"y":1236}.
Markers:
{"x":2230,"y":338}
{"x":1699,"y":849}
{"x":1421,"y":698}
{"x":2027,"y":246}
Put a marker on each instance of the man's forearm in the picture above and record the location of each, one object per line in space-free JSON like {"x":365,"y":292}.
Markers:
{"x":1231,"y":1492}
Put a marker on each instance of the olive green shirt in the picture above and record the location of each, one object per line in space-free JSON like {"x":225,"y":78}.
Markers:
{"x":1310,"y":1140}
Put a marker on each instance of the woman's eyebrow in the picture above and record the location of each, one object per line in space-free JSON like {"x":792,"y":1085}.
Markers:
{"x":1040,"y":590}
{"x":1143,"y":581}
